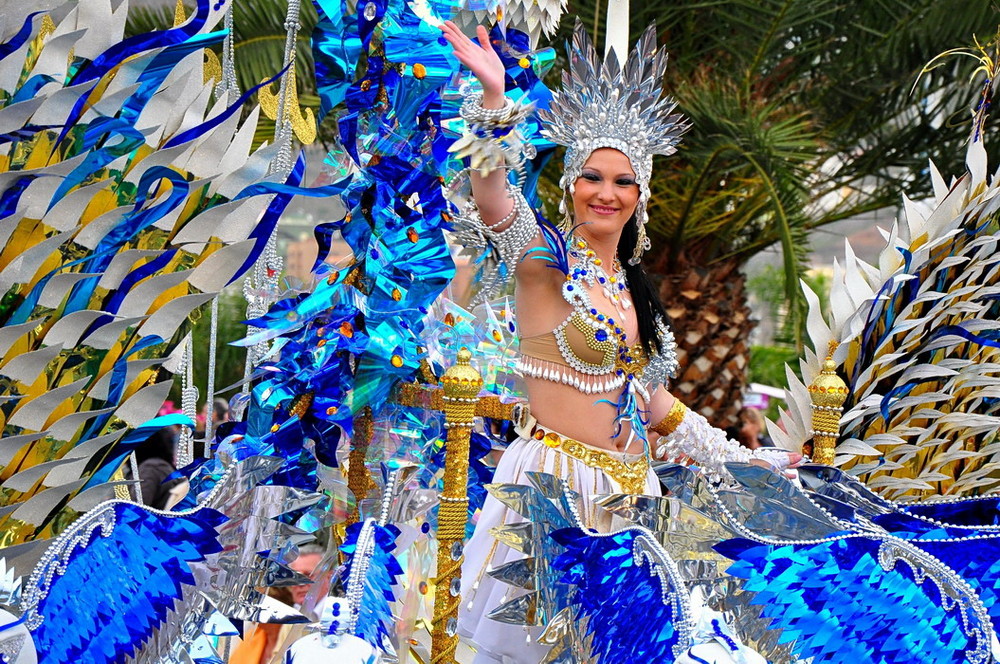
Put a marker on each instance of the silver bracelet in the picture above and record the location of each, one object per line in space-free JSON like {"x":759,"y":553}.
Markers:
{"x":473,"y":112}
{"x":492,"y":139}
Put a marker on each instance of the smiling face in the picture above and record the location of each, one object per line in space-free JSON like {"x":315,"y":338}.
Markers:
{"x":605,"y":194}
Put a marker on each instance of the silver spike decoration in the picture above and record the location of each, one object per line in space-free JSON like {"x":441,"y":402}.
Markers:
{"x":263,"y":279}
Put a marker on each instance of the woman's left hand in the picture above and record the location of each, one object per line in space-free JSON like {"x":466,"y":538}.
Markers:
{"x":777,"y":460}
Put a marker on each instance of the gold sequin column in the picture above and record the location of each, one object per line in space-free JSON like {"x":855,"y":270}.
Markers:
{"x":358,"y":478}
{"x":461,"y":389}
{"x":827,"y":393}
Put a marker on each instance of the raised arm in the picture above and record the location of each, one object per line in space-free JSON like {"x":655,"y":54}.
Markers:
{"x":489,"y":191}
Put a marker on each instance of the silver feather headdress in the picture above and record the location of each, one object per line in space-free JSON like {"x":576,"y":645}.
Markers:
{"x":607,"y":105}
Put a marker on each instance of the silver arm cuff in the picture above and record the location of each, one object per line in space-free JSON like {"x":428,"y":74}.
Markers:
{"x":501,"y":250}
{"x":513,"y":240}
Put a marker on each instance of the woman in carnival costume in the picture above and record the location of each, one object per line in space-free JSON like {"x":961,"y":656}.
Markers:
{"x":594,"y":341}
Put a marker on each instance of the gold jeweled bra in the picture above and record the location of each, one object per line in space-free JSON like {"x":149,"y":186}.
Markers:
{"x":583,"y":351}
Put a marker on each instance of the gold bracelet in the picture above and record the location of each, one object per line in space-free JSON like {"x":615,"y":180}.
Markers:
{"x":673,"y":419}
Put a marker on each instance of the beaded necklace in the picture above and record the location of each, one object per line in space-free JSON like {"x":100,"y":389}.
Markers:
{"x":589,"y":269}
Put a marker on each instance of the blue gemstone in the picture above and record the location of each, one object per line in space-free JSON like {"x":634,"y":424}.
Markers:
{"x":600,"y":316}
{"x":601,"y":335}
{"x":569,"y":288}
{"x":601,"y":279}
{"x":611,"y":320}
{"x":593,"y":312}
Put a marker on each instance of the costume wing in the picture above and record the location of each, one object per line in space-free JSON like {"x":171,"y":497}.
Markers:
{"x":128,"y":199}
{"x":626,"y":573}
{"x":917,"y":336}
{"x":111,"y":579}
{"x":856,"y":598}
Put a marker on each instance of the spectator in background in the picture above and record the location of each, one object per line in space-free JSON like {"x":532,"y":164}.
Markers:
{"x":220,"y":414}
{"x":260,"y":641}
{"x":307,"y":563}
{"x":266,"y":644}
{"x":155,"y":458}
{"x":221,"y":410}
{"x":750,"y":432}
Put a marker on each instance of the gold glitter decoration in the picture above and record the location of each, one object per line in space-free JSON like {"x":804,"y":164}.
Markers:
{"x":302,"y":120}
{"x":179,"y":14}
{"x":412,"y":235}
{"x":212,"y":72}
{"x":301,"y":405}
{"x":419,"y":71}
{"x":396,"y":361}
{"x":48,"y":27}
{"x":359,"y":480}
{"x":396,"y":294}
{"x":121,"y":490}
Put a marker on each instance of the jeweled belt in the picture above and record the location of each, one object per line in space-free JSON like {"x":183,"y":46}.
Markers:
{"x":630,"y":476}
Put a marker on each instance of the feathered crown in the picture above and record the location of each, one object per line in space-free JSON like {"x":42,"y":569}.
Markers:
{"x":605,"y":105}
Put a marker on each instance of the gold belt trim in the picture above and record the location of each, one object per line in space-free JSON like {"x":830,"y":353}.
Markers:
{"x":630,"y":476}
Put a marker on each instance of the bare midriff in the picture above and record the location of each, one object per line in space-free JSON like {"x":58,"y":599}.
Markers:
{"x":579,"y":416}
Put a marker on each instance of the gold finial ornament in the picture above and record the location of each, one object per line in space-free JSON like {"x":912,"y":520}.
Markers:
{"x":828,"y":394}
{"x":461,"y":395}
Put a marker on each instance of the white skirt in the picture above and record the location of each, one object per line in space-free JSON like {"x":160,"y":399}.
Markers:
{"x":514,"y":644}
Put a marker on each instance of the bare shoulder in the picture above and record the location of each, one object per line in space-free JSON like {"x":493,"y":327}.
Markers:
{"x":540,"y":304}
{"x":534,"y":269}
{"x":539,"y":276}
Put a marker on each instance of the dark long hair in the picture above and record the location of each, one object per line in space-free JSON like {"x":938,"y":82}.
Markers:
{"x":644,"y":298}
{"x":160,"y":445}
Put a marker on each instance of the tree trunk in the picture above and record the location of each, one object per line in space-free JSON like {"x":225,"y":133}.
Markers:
{"x":711,"y":321}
